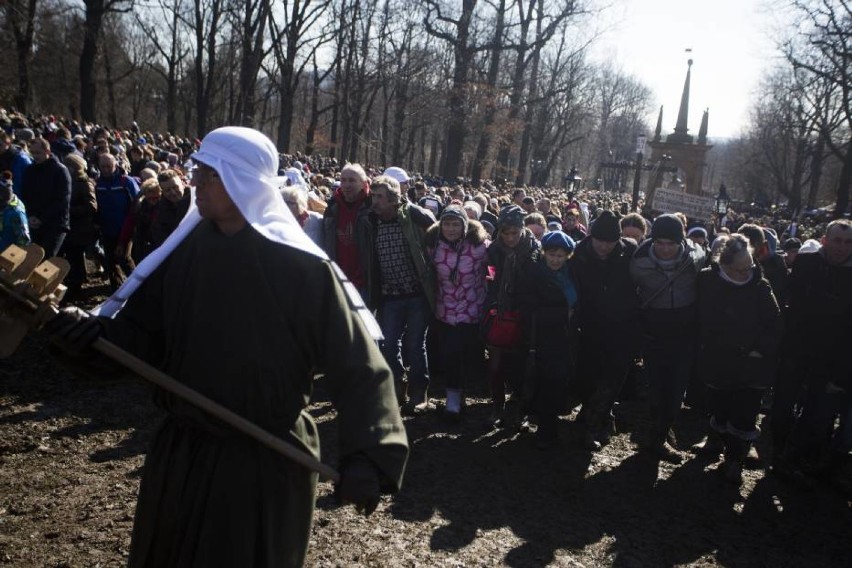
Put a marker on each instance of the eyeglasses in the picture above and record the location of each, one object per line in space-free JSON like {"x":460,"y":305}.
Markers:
{"x":204,"y":175}
{"x":291,"y":202}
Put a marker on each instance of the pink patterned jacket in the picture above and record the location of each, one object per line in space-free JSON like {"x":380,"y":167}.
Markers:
{"x":461,"y":275}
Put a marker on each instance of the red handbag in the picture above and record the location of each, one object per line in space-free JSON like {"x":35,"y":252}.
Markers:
{"x":502,"y":329}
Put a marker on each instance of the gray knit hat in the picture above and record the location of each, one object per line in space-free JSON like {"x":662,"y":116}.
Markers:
{"x":668,"y":227}
{"x":24,"y":134}
{"x":456,"y":212}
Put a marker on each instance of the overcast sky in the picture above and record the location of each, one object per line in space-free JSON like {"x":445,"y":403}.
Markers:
{"x":732,"y":42}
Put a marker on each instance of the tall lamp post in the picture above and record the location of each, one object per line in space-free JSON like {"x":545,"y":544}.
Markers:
{"x":572,"y":180}
{"x":537,"y":172}
{"x":721,"y":204}
{"x":637,"y":176}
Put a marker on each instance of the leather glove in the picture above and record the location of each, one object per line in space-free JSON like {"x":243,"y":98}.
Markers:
{"x":73,"y":331}
{"x":359,"y":485}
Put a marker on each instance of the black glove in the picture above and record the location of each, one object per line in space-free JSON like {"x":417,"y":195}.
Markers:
{"x":73,"y":331}
{"x":359,"y":484}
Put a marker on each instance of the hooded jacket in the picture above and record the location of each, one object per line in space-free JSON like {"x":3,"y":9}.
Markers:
{"x":460,"y":272}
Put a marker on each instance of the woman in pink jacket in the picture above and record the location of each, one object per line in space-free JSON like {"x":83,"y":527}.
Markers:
{"x":457,"y":246}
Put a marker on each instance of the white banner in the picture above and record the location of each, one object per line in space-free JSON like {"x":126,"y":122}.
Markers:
{"x":693,"y":206}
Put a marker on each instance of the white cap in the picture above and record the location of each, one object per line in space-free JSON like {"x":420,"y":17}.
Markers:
{"x":397,"y":173}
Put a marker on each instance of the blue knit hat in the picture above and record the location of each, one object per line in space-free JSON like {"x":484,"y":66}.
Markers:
{"x":557,"y":239}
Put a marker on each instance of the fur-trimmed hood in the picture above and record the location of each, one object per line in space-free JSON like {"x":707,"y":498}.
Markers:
{"x":475,"y":235}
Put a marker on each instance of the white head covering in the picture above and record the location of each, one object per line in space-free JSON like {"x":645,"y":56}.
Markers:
{"x":247,"y":162}
{"x":296,"y":179}
{"x":810,"y":245}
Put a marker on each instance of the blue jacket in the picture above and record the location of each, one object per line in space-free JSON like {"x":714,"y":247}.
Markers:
{"x":14,"y":229}
{"x":15,"y":161}
{"x":115,"y":194}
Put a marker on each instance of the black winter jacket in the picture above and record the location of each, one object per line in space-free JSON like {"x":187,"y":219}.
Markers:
{"x":734,"y":321}
{"x":47,"y":194}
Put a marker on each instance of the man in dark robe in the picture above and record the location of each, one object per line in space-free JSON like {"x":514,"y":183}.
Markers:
{"x":240,"y":306}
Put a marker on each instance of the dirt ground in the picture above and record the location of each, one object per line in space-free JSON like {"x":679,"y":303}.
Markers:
{"x":72,"y":453}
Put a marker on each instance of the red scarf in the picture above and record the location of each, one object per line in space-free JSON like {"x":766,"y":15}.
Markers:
{"x":348,"y":257}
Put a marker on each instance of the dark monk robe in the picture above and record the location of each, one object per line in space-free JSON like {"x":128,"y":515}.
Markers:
{"x":246,"y":322}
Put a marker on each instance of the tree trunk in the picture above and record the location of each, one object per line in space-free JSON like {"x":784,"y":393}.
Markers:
{"x":400,"y":105}
{"x":457,"y":103}
{"x":434,"y":151}
{"x":313,"y":122}
{"x":817,"y":160}
{"x":88,"y":54}
{"x":385,"y":130}
{"x":172,"y":87}
{"x":844,"y":183}
{"x":20,"y":16}
{"x":526,"y":139}
{"x":491,"y":97}
{"x":515,"y":98}
{"x":110,"y":85}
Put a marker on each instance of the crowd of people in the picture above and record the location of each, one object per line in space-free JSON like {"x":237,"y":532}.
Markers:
{"x":553,"y":298}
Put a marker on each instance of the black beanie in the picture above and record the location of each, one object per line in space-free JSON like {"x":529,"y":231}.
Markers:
{"x":606,"y":227}
{"x":668,"y":227}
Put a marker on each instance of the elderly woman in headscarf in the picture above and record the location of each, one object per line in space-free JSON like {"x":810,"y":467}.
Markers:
{"x":296,"y":179}
{"x":310,"y":221}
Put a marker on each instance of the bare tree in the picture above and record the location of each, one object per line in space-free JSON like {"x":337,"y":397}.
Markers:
{"x":492,"y":95}
{"x":250,"y":20}
{"x":621,"y":101}
{"x":781,"y":132}
{"x":561,"y":106}
{"x":169,"y":46}
{"x":205,"y":22}
{"x":317,"y":79}
{"x":295,"y":43}
{"x":457,"y":33}
{"x":20,"y":17}
{"x":96,"y":10}
{"x":355,"y":82}
{"x":821,"y":53}
{"x":549,"y":19}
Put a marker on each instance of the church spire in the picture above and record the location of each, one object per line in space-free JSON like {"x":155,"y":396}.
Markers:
{"x":702,"y":132}
{"x":659,"y":128}
{"x":680,"y":131}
